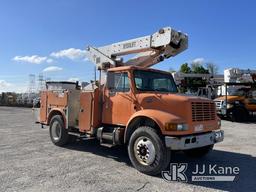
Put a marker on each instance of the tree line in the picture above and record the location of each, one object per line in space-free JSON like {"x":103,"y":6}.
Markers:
{"x":207,"y":68}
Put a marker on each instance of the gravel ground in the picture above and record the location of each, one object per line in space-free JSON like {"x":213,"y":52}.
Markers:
{"x":30,"y":162}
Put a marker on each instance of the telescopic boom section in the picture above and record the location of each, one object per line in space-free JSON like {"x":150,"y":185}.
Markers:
{"x":150,"y":50}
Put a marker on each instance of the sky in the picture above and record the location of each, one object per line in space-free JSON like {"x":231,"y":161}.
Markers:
{"x":49,"y":37}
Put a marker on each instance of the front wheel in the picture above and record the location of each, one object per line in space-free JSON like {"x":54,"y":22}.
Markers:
{"x":239,"y":114}
{"x":58,"y":133}
{"x":147,"y":151}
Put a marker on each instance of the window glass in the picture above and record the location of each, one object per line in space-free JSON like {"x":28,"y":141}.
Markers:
{"x":254,"y":94}
{"x":138,"y":83}
{"x":118,"y":82}
{"x":154,"y":81}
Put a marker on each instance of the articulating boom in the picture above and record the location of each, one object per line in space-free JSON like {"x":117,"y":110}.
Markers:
{"x":150,"y":50}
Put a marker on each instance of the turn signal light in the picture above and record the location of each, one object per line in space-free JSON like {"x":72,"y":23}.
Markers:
{"x":170,"y":127}
{"x":176,"y":127}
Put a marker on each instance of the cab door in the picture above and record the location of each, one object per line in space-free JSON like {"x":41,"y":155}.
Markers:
{"x":117,"y":99}
{"x":250,"y":101}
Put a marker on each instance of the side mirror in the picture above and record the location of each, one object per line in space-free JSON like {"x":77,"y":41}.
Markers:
{"x":112,"y":92}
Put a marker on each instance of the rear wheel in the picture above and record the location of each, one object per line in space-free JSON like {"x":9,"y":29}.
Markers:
{"x":147,"y":151}
{"x":199,"y":152}
{"x":58,"y":133}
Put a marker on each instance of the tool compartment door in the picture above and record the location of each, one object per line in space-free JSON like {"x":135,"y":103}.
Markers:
{"x":85,"y":114}
{"x":43,"y":107}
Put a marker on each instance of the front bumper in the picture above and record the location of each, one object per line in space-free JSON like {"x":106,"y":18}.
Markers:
{"x":194,"y":141}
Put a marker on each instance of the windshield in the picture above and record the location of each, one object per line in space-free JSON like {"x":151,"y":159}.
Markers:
{"x":154,"y":81}
{"x":239,"y":92}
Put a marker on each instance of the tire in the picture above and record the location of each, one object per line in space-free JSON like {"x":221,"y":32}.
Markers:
{"x":239,"y":114}
{"x":199,"y":152}
{"x":147,"y":151}
{"x":58,"y":133}
{"x":72,"y":139}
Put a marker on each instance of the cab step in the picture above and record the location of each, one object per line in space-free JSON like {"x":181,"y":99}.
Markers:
{"x":81,"y":135}
{"x":107,"y":145}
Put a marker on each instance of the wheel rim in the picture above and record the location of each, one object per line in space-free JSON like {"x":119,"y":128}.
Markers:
{"x":144,"y":150}
{"x":56,"y":130}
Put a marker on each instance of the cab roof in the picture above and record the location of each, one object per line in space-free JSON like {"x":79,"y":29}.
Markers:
{"x":131,"y":68}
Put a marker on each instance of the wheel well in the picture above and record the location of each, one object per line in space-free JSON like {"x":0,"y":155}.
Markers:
{"x":137,"y":122}
{"x":52,"y":114}
{"x":239,"y":107}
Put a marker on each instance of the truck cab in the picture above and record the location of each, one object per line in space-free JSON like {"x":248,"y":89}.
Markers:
{"x":153,"y":94}
{"x":239,"y":105}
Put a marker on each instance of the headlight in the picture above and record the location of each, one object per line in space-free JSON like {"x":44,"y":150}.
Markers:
{"x":182,"y":127}
{"x":229,"y":106}
{"x":176,"y":127}
{"x":219,"y":122}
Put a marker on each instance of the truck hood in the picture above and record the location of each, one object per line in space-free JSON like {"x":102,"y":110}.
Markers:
{"x":199,"y":113}
{"x":177,"y":104}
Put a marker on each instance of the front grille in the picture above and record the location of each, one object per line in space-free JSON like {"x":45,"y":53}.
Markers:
{"x":203,"y":111}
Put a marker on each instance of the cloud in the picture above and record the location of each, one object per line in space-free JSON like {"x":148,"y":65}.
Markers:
{"x":70,"y":53}
{"x":52,"y":69}
{"x":198,"y":61}
{"x":18,"y":88}
{"x":35,"y":59}
{"x":49,"y":60}
{"x":73,"y":79}
{"x":10,"y":87}
{"x":4,"y":84}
